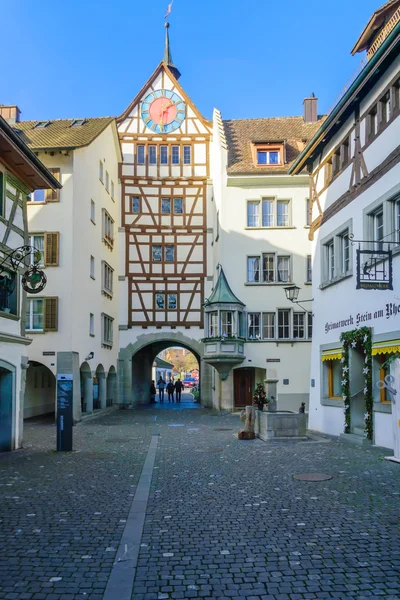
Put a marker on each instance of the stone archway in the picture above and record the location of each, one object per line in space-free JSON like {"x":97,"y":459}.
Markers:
{"x":86,"y":388}
{"x":136,"y":360}
{"x":40,"y":391}
{"x":111,"y":386}
{"x":100,"y":399}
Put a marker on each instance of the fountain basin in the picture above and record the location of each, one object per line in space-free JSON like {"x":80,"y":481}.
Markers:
{"x":280,"y":425}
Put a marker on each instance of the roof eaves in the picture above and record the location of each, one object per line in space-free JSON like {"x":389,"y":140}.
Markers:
{"x":345,"y":100}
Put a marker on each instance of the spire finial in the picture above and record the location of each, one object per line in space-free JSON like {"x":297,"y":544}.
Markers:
{"x":167,"y":53}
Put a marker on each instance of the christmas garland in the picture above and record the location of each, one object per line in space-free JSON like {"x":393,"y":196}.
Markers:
{"x":359,"y":339}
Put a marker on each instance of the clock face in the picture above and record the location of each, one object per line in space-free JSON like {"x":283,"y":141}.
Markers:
{"x":163,"y":111}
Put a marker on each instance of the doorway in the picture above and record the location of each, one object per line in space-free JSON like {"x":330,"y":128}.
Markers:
{"x":6,"y":404}
{"x":243,"y":381}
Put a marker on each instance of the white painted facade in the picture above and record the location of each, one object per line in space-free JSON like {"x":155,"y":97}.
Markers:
{"x":78,"y":281}
{"x":338,"y":306}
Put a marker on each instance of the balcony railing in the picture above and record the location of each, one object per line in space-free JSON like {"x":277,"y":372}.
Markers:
{"x":394,"y":19}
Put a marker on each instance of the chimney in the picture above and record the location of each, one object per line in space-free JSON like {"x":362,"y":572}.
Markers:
{"x":310,"y":109}
{"x":10,"y":113}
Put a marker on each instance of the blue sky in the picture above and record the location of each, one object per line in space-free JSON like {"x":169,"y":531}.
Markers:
{"x":249,"y":58}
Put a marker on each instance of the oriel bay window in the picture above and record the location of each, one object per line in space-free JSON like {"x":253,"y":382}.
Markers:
{"x":227,"y":321}
{"x":213,"y":324}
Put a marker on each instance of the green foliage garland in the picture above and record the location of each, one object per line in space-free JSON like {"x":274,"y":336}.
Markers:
{"x":358,"y":339}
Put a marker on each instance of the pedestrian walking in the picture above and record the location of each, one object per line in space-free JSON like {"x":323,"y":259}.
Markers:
{"x":170,"y":390}
{"x":178,"y":390}
{"x":161,"y":388}
{"x":153,"y":392}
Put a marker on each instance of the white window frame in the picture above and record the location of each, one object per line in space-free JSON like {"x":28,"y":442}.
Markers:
{"x":309,"y":268}
{"x":92,"y":267}
{"x":29,"y":309}
{"x":299,"y":324}
{"x":93,"y":212}
{"x":107,"y":186}
{"x":107,"y":278}
{"x":32,"y":242}
{"x":101,"y":171}
{"x":269,"y":326}
{"x":227,"y":326}
{"x":213,"y":324}
{"x":107,"y":330}
{"x":254,"y":324}
{"x":263,"y":219}
{"x":253,"y":274}
{"x":288,"y":312}
{"x":91,"y":324}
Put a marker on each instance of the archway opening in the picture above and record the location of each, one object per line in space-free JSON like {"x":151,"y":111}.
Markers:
{"x":111,"y":386}
{"x":40,"y":392}
{"x":86,"y":388}
{"x":99,"y":388}
{"x":6,"y":408}
{"x":176,"y":373}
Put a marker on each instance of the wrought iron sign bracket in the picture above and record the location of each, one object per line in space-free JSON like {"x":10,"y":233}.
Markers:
{"x":33,"y":279}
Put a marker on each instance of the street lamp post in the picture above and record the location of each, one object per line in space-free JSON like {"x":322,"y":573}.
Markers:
{"x":292,"y":293}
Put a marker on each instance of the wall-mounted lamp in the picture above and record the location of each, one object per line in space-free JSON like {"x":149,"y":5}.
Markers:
{"x":292,"y":293}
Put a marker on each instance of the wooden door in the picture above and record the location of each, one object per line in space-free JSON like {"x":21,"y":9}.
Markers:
{"x":243,"y":386}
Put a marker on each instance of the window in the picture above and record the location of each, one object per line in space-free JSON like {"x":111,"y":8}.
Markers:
{"x":166,"y":206}
{"x":37,"y":241}
{"x":334,"y":373}
{"x":267,"y":213}
{"x":372,"y":123}
{"x":178,"y":206}
{"x":299,"y":326}
{"x":78,"y":122}
{"x":108,"y":228}
{"x":160,"y":301}
{"x":283,"y":324}
{"x":283,"y":269}
{"x":135,"y":204}
{"x":328,"y":172}
{"x":187,"y":155}
{"x":336,"y":162}
{"x":330,"y":260}
{"x":107,"y":277}
{"x":309,"y":269}
{"x":345,"y":153}
{"x":384,"y":371}
{"x":2,"y":194}
{"x":226,"y":323}
{"x":396,"y":96}
{"x":92,"y":270}
{"x":112,"y":190}
{"x":140,"y":155}
{"x":309,"y":325}
{"x":265,"y":157}
{"x":253,"y":269}
{"x":269,"y":326}
{"x":34,"y":314}
{"x":169,"y":253}
{"x":213,"y":324}
{"x":396,"y":220}
{"x":308,"y":212}
{"x":163,"y":155}
{"x":172,"y":302}
{"x":175,"y":155}
{"x":253,"y":219}
{"x":53,"y":195}
{"x":378,"y":230}
{"x":91,"y":324}
{"x":107,"y":182}
{"x":107,"y":330}
{"x":268,"y":268}
{"x":253,"y":323}
{"x":152,"y":155}
{"x":101,"y":172}
{"x":41,"y":124}
{"x":385,"y":109}
{"x":344,"y":244}
{"x":156,"y":253}
{"x":9,"y":299}
{"x":92,"y":211}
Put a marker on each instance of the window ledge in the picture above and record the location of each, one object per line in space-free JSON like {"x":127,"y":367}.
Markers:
{"x":107,"y":345}
{"x":94,"y":222}
{"x":263,"y":283}
{"x":107,"y":293}
{"x":332,"y":402}
{"x":382,"y":407}
{"x":278,"y":227}
{"x":93,"y":277}
{"x":36,"y":203}
{"x":7,"y":315}
{"x":291,"y":341}
{"x":34,"y":331}
{"x":91,"y":335}
{"x":326,"y":284}
{"x":308,"y":283}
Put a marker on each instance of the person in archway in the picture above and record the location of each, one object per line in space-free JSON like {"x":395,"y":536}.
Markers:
{"x":161,"y":389}
{"x":153,"y":392}
{"x":178,"y":389}
{"x":170,"y":390}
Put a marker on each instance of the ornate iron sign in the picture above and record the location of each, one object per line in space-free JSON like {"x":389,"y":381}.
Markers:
{"x":33,"y":279}
{"x":374,"y":269}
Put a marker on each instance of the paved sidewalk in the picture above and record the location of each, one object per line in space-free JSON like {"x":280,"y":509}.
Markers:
{"x":224,"y":519}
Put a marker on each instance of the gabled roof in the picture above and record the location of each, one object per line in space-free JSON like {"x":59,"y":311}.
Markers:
{"x":242,"y":132}
{"x":162,"y":364}
{"x":376,"y":22}
{"x":60,"y":133}
{"x":22,"y":162}
{"x":222,"y":293}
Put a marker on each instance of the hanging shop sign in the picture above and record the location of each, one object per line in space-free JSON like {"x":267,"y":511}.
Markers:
{"x":374,"y":269}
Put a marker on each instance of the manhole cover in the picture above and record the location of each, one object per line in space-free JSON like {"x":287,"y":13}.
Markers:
{"x":206,"y":450}
{"x":223,"y":429}
{"x":312,"y":477}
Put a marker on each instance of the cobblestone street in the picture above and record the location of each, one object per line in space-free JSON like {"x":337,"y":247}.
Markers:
{"x":224,"y":518}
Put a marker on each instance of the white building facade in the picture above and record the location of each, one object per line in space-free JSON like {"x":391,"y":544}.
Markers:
{"x":20,"y":174}
{"x":354,"y":163}
{"x":73,"y":324}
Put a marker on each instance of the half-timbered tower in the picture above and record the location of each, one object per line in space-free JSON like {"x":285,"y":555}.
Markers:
{"x":164,"y":192}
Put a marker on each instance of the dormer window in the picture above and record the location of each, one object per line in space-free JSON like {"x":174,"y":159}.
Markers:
{"x":267,"y":154}
{"x":41,"y":124}
{"x":78,"y":122}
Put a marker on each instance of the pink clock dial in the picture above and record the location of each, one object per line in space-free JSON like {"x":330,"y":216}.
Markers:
{"x":163,"y":111}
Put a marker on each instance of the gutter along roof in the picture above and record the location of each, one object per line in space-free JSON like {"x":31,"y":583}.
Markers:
{"x":31,"y":171}
{"x":368,"y":75}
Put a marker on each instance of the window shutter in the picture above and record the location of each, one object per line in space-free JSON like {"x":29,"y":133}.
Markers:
{"x":53,"y":195}
{"x":51,"y":244}
{"x":51,"y":313}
